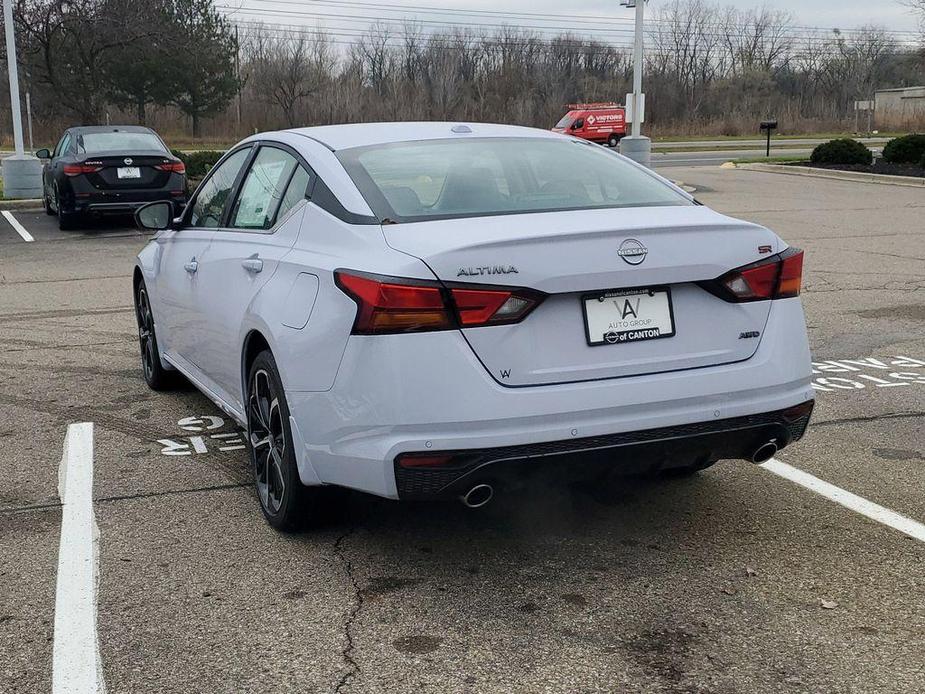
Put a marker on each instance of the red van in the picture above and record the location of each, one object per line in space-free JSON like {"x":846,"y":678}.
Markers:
{"x":605,"y":122}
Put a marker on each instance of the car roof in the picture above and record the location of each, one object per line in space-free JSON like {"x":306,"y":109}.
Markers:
{"x":110,"y":129}
{"x":336,"y":137}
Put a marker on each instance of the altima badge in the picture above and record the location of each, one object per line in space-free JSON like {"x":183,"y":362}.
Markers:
{"x":487,"y":270}
{"x":632,"y":251}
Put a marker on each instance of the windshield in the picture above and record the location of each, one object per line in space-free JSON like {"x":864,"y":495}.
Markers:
{"x":440,"y":179}
{"x":118,"y":142}
{"x":566,"y":121}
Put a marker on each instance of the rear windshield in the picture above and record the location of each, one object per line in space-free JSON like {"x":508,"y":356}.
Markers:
{"x":118,"y":142}
{"x":441,"y":179}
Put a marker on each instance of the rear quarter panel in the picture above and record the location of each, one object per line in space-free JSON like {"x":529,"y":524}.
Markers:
{"x":309,"y":356}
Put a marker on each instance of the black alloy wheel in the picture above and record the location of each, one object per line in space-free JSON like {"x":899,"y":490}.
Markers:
{"x":156,"y":376}
{"x":268,"y":442}
{"x":287,"y":504}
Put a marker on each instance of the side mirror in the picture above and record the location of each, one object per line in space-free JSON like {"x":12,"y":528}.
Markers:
{"x":155,"y":216}
{"x":43,"y":154}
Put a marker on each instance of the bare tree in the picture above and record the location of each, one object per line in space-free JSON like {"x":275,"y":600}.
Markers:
{"x":286,"y":73}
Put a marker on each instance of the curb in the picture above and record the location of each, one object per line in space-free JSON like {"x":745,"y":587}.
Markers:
{"x":855,"y":176}
{"x":27,"y":204}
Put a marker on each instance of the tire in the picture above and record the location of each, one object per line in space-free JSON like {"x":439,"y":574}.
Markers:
{"x":155,"y":375}
{"x":46,"y":203}
{"x":67,"y":221}
{"x":613,"y":141}
{"x":287,"y":504}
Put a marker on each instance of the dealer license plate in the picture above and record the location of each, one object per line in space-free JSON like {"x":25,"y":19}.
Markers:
{"x":129,"y":172}
{"x":628,"y":315}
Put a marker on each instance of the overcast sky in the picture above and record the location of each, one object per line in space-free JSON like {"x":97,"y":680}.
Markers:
{"x":827,"y":14}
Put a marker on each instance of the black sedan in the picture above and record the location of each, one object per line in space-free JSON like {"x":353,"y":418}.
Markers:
{"x":109,"y":169}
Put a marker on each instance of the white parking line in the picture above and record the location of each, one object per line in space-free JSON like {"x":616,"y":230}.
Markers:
{"x":858,"y":504}
{"x":76,"y":664}
{"x":20,"y":229}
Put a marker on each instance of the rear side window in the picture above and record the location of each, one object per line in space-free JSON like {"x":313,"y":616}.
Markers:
{"x":63,"y":145}
{"x":121,"y":141}
{"x":209,"y":205}
{"x":263,"y":189}
{"x":295,"y":191}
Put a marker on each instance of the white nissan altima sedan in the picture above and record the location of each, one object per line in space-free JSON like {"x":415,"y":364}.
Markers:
{"x":425,"y":310}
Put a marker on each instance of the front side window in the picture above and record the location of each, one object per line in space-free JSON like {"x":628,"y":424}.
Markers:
{"x":263,"y":189}
{"x":209,"y":205}
{"x":441,"y":179}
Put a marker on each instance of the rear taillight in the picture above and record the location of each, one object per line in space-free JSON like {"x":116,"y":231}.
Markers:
{"x":172,"y":166}
{"x":779,"y":277}
{"x":395,"y":306}
{"x":78,"y":169}
{"x":398,"y":305}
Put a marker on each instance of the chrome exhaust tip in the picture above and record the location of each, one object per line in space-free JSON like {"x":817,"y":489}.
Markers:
{"x":478,"y":496}
{"x":764,"y":453}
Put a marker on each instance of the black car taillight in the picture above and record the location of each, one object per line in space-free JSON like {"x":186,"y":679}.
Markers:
{"x":778,"y":277}
{"x":78,"y":169}
{"x":399,"y":305}
{"x":172,"y":166}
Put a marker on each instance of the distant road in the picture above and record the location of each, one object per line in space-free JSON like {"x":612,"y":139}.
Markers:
{"x":669,"y":159}
{"x":748,"y":144}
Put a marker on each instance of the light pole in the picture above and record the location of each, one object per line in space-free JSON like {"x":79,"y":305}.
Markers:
{"x":22,"y":173}
{"x":637,"y":147}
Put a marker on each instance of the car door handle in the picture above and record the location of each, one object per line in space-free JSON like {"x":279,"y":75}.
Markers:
{"x":252,"y":264}
{"x":191,"y":266}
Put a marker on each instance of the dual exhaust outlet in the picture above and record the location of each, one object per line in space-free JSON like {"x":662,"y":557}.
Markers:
{"x":481,"y":494}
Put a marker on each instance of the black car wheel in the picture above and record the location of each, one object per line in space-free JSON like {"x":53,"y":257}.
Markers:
{"x":287,"y":504}
{"x":613,"y":140}
{"x":46,"y":203}
{"x":156,"y":376}
{"x":66,"y":220}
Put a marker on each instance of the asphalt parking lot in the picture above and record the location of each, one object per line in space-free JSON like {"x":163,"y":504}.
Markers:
{"x":738,"y":580}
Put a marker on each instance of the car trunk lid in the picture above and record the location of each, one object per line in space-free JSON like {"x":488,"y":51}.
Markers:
{"x":127,"y":171}
{"x":595,"y":256}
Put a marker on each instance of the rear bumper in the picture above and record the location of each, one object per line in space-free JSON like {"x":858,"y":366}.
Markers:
{"x":126,"y":203}
{"x":82,"y":197}
{"x":648,"y":450}
{"x":396,"y":394}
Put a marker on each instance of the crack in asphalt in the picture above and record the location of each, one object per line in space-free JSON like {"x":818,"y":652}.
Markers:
{"x":63,"y":313}
{"x":353,"y":668}
{"x":35,"y":348}
{"x":129,"y":497}
{"x":5,"y":281}
{"x":869,"y":418}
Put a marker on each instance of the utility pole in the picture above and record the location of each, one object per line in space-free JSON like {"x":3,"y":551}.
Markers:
{"x":22,"y":174}
{"x":237,"y":74}
{"x":637,"y":147}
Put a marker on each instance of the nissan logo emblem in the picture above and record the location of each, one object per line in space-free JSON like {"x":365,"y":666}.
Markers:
{"x":128,"y":161}
{"x":632,"y":251}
